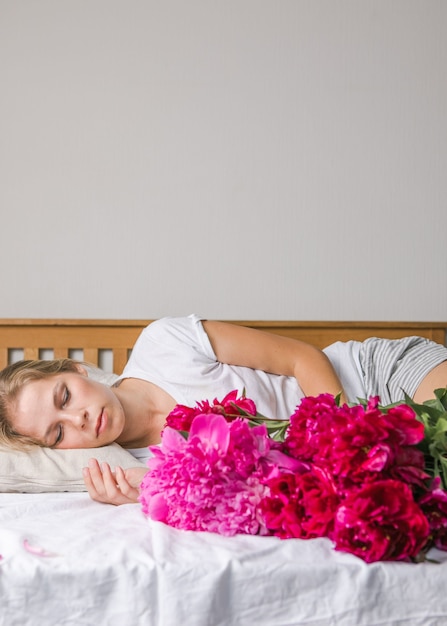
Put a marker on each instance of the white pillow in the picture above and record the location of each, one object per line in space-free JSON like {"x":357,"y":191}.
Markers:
{"x":40,"y":470}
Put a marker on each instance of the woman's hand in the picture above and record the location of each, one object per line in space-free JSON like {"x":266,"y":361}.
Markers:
{"x":116,"y":488}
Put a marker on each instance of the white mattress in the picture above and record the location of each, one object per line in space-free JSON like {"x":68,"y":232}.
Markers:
{"x":110,"y":566}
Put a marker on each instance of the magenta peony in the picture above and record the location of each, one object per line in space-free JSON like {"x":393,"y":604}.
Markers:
{"x":300,"y":505}
{"x":230,"y":407}
{"x":380,"y":521}
{"x":357,"y":444}
{"x":434,"y":505}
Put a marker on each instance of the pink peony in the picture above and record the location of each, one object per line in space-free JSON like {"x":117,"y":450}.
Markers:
{"x":230,"y":407}
{"x":381,"y":522}
{"x":212,"y":481}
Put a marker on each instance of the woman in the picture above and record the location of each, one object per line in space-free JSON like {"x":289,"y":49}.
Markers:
{"x":183,"y":360}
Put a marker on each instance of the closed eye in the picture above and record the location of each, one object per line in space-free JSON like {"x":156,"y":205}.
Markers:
{"x":59,"y":436}
{"x":65,"y":397}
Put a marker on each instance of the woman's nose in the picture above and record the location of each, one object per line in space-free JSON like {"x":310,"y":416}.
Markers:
{"x":79,"y":418}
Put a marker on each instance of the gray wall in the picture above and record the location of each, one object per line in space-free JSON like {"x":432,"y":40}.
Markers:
{"x":242,"y":159}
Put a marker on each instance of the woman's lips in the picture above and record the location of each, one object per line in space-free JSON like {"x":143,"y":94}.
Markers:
{"x":101,"y":423}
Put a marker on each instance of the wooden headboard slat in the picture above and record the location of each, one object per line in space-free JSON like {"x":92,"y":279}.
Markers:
{"x":31,"y":353}
{"x":60,"y":353}
{"x":91,"y":355}
{"x":118,"y":336}
{"x":120,"y":358}
{"x":3,"y":357}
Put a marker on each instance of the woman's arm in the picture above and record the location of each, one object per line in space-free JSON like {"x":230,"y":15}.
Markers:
{"x":240,"y":345}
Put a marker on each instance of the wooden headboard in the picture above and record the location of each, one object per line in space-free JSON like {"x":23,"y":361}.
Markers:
{"x":90,"y":340}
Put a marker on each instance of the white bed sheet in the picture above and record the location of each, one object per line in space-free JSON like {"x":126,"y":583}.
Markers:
{"x":111,"y":566}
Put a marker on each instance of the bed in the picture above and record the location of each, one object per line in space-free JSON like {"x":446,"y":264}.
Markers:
{"x":66,"y":560}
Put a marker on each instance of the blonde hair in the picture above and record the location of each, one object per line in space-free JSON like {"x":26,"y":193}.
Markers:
{"x":12,"y":379}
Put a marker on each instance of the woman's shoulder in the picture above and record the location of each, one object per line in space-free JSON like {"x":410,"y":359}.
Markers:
{"x":175,"y":341}
{"x":175,"y":333}
{"x":165,"y":327}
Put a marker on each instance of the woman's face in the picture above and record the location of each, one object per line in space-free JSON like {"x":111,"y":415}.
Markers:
{"x":68,"y":410}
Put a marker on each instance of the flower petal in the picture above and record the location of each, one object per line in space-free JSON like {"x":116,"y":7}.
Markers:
{"x":212,"y":430}
{"x":36,"y":550}
{"x":172,"y":440}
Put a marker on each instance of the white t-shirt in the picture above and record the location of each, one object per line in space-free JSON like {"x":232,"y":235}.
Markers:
{"x":176,"y":355}
{"x":345,"y":359}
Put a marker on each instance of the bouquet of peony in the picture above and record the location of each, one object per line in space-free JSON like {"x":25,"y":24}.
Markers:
{"x":372,"y":479}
